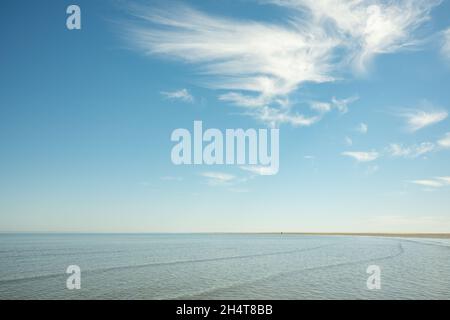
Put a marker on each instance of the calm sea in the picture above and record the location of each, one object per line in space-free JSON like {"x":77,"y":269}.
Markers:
{"x":194,"y":266}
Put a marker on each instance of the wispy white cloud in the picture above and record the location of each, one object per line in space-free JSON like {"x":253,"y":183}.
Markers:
{"x":397,"y":150}
{"x":348,"y":141}
{"x":260,"y":170}
{"x":242,"y":100}
{"x":417,"y":150}
{"x":341,"y":105}
{"x":419,"y":119}
{"x":414,"y":151}
{"x":275,"y":117}
{"x":437,"y":182}
{"x":445,"y":49}
{"x":260,"y":64}
{"x":371,"y":27}
{"x":428,"y":183}
{"x":445,"y":141}
{"x":182,"y":94}
{"x":362,"y":128}
{"x":362,"y":156}
{"x":219,"y":178}
{"x":283,"y":114}
{"x":321,"y":107}
{"x":445,"y":180}
{"x":266,"y":59}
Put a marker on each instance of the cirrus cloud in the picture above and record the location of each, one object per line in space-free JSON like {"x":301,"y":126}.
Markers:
{"x":259,"y":64}
{"x":182,"y":94}
{"x":419,"y":119}
{"x":218,"y":178}
{"x":437,"y":182}
{"x":361,"y":156}
{"x":445,"y":141}
{"x":445,"y":49}
{"x":362,"y":128}
{"x":414,"y":151}
{"x":370,"y":27}
{"x":260,"y":170}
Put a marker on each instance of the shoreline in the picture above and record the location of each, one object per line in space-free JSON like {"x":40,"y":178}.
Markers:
{"x":374,"y":234}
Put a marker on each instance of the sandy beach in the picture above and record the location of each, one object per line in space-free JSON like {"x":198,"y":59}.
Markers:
{"x":397,"y":235}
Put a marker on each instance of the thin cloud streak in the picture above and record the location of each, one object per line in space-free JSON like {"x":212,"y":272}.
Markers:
{"x":446,"y":180}
{"x":348,"y":141}
{"x":259,"y":170}
{"x":416,"y":150}
{"x":437,"y":182}
{"x":445,"y":49}
{"x":362,"y":128}
{"x":342,"y":105}
{"x":218,"y":178}
{"x":419,"y":119}
{"x":428,"y":183}
{"x":182,"y":94}
{"x":362,"y":156}
{"x":445,"y":141}
{"x":397,"y":150}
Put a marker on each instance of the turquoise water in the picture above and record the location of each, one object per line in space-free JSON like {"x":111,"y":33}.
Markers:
{"x":190,"y":266}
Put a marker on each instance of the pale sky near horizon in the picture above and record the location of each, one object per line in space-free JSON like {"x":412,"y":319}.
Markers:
{"x":359,"y":91}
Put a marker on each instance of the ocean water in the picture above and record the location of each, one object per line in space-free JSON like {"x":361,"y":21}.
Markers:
{"x":216,"y":266}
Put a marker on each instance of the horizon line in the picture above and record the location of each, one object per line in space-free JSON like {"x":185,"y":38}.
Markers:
{"x":373,"y":234}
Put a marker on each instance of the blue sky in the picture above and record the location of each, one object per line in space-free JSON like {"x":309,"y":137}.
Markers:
{"x":359,"y":91}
